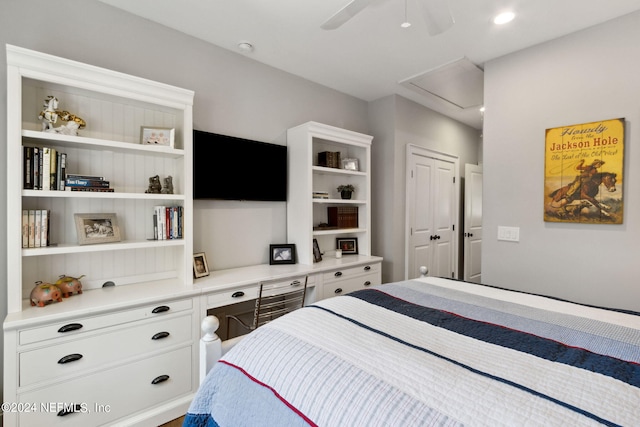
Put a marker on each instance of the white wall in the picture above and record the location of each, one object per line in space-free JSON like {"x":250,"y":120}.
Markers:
{"x":585,"y":77}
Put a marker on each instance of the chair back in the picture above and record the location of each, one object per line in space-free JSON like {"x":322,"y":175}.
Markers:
{"x":278,"y":298}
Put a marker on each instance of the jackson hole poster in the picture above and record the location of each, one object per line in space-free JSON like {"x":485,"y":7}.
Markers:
{"x":583,"y":173}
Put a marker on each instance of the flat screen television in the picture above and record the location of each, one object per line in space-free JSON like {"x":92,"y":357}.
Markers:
{"x":231,"y":168}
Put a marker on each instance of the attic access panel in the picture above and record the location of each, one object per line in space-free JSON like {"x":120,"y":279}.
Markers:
{"x":460,"y":83}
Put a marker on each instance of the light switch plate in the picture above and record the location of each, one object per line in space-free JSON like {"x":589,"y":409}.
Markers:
{"x":509,"y":234}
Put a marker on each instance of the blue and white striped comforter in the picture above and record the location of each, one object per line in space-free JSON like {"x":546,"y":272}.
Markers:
{"x":430,"y":352}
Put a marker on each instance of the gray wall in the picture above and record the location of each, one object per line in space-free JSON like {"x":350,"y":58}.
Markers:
{"x":585,"y":77}
{"x":395,"y":122}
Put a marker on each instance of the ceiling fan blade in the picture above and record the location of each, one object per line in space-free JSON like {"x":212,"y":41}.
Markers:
{"x":344,"y":14}
{"x":436,"y":15}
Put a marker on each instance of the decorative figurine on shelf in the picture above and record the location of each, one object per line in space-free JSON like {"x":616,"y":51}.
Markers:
{"x":68,"y":285}
{"x":44,"y":293}
{"x":167,"y":188}
{"x":49,"y":115}
{"x":154,"y":185}
{"x":73,"y":123}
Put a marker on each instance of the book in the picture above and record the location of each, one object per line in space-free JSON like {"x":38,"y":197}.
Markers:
{"x":53,"y":169}
{"x":44,"y":228}
{"x":63,"y":171}
{"x":32,"y":228}
{"x":36,"y":168}
{"x":27,"y":183}
{"x":45,"y":174}
{"x":96,"y":189}
{"x":90,"y":177}
{"x":37,"y":232}
{"x":83,"y":182}
{"x":159,"y":216}
{"x":25,"y":228}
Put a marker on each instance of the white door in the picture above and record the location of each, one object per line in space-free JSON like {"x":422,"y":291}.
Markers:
{"x":431,"y":213}
{"x":472,"y":223}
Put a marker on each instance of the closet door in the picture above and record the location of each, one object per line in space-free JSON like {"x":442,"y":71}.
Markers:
{"x":431,"y":213}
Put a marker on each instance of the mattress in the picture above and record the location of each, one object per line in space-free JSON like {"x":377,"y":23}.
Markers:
{"x":427,"y":352}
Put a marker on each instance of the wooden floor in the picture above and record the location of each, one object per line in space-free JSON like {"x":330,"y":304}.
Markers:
{"x":175,"y":423}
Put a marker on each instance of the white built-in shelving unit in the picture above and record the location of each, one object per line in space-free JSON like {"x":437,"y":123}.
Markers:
{"x":153,"y":278}
{"x":305,"y":214}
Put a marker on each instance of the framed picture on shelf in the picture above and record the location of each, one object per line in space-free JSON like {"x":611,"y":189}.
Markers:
{"x":200,"y":267}
{"x":349,"y":245}
{"x":157,"y":136}
{"x":317,"y":255}
{"x":97,"y":228}
{"x":350,"y":164}
{"x":282,"y":254}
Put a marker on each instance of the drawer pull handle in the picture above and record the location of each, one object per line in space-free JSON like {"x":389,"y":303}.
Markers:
{"x":160,"y":309}
{"x":70,"y":327}
{"x":338,"y":273}
{"x":71,"y":409}
{"x":295,"y":283}
{"x":69,"y":358}
{"x":237,"y":294}
{"x":160,"y":335}
{"x":367,"y":283}
{"x":160,"y":379}
{"x":338,"y":291}
{"x":367,"y":268}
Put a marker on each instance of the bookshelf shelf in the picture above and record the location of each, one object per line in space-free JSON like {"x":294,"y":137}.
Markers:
{"x":119,"y":246}
{"x":70,"y":141}
{"x":97,"y":195}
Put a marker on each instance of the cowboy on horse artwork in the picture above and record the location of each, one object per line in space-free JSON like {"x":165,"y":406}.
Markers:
{"x":593,"y":195}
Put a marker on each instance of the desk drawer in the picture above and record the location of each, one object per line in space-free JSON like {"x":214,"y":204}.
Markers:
{"x":82,"y":325}
{"x":346,"y":273}
{"x":106,"y":396}
{"x":342,"y":287}
{"x":91,"y":352}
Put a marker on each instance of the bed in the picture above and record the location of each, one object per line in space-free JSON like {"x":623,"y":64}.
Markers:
{"x":430,"y":351}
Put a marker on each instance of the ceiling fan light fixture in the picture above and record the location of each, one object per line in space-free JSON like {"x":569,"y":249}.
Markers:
{"x":504,"y":18}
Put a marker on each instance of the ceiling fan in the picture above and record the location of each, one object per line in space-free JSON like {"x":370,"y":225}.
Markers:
{"x":436,"y":15}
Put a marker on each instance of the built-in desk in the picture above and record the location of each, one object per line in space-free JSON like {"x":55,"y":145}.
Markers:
{"x":232,"y":291}
{"x":218,"y":288}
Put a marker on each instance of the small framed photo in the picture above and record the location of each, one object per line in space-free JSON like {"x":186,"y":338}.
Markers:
{"x":157,"y":136}
{"x":97,"y":228}
{"x":317,"y":255}
{"x":349,"y":245}
{"x":282,"y":254}
{"x":350,"y":164}
{"x":200,"y":267}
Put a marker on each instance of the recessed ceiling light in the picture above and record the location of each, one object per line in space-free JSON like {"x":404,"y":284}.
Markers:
{"x":245,"y":47}
{"x":405,"y":24}
{"x":503,"y":18}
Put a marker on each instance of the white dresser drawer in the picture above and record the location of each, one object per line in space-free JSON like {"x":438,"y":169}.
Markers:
{"x":346,"y":273}
{"x":57,"y":330}
{"x":342,"y":287}
{"x":106,"y":396}
{"x":100,"y":349}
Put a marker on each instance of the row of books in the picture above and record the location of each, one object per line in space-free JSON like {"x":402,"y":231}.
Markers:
{"x":86,"y":183}
{"x":44,"y":168}
{"x":168,"y":222}
{"x":35,"y":228}
{"x":343,"y":216}
{"x":320,"y":195}
{"x":329,"y":159}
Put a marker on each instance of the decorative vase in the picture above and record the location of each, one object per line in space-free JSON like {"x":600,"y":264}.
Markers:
{"x":345,"y":194}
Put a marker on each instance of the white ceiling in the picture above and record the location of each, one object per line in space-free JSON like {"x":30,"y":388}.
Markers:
{"x":371,"y":54}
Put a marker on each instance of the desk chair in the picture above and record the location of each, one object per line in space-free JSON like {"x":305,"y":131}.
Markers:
{"x":276,"y":298}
